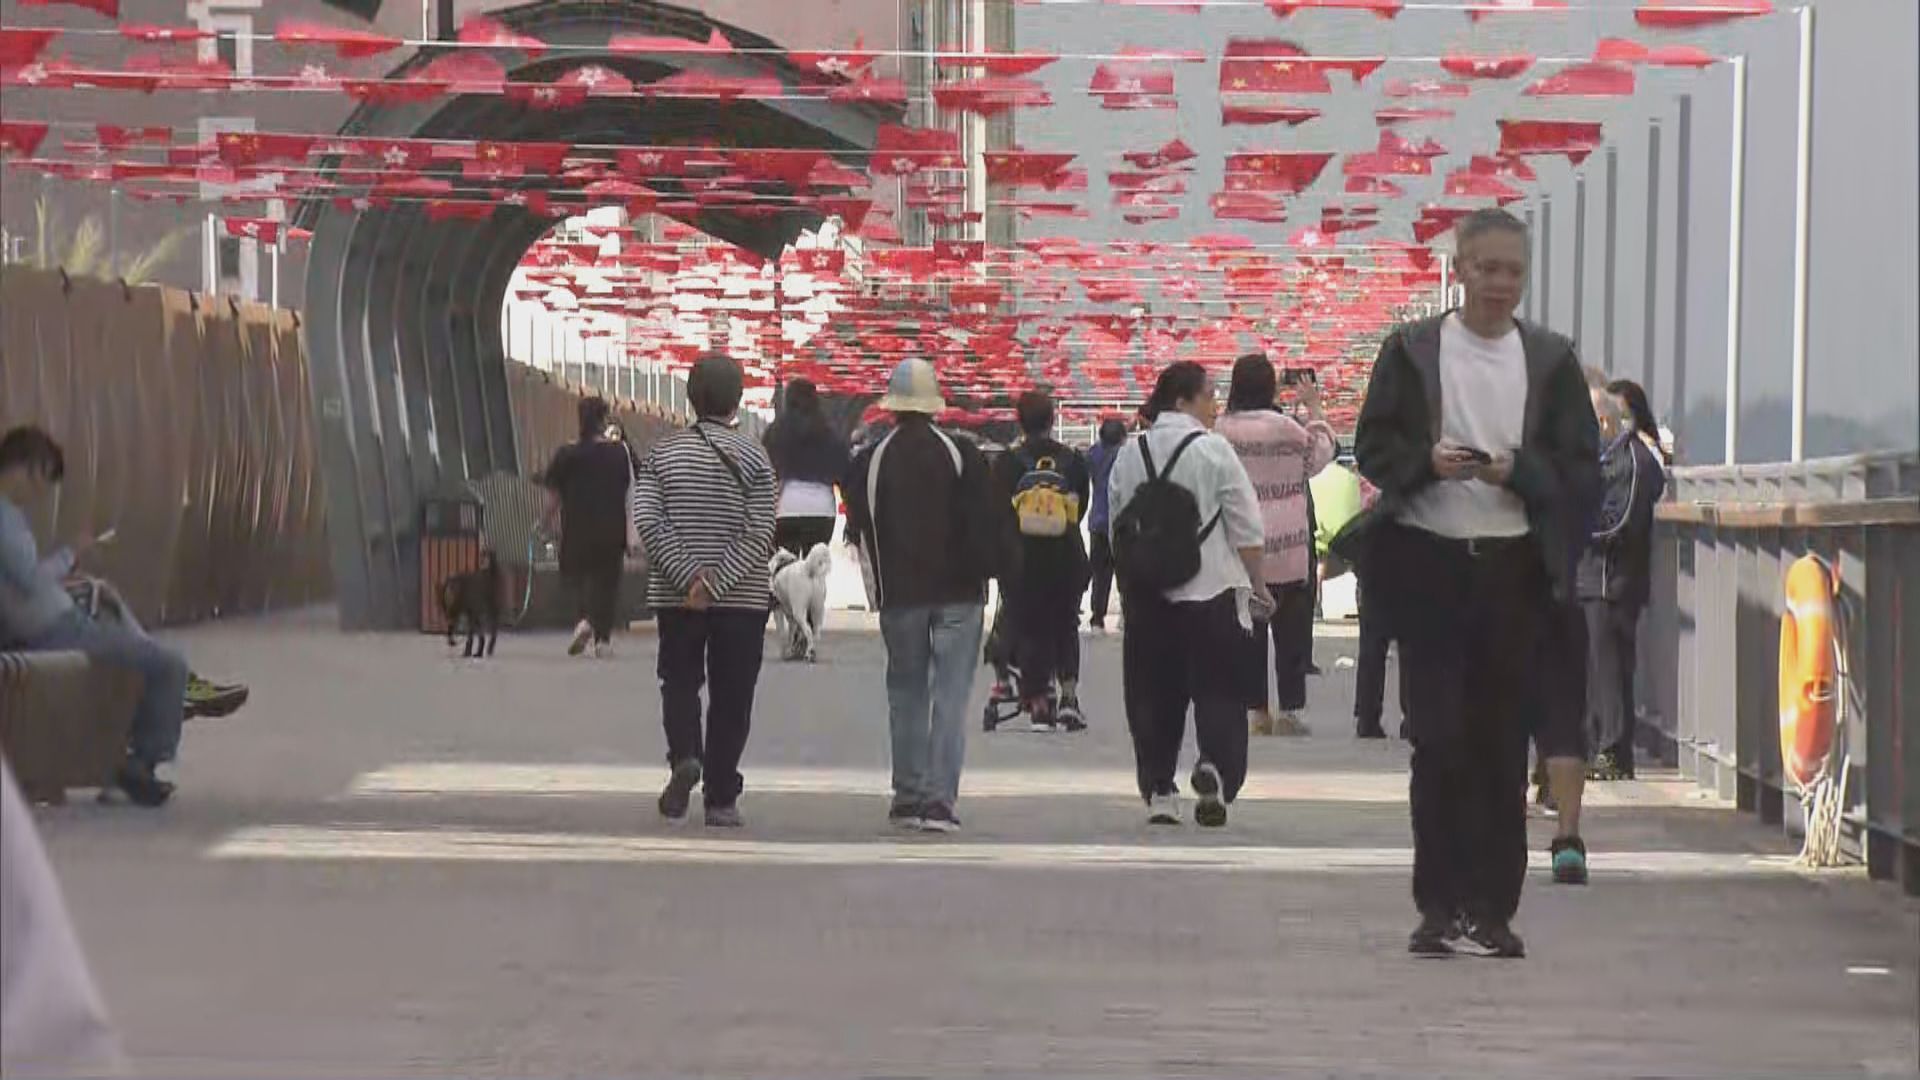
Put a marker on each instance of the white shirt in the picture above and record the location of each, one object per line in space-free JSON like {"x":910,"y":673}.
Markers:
{"x":1212,"y":471}
{"x":1483,"y":404}
{"x":807,"y":499}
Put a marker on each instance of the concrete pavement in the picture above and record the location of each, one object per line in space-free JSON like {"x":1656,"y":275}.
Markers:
{"x":393,"y":863}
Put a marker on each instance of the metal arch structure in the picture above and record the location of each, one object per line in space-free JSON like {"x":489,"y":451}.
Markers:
{"x":407,"y":366}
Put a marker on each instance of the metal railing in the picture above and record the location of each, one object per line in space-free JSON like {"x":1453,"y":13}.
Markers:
{"x":1710,"y":647}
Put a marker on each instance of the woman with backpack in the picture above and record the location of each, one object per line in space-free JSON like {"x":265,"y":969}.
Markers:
{"x":1187,"y":544}
{"x":1280,"y":456}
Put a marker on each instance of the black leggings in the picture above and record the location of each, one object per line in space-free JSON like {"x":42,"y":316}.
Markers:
{"x":799,"y":534}
{"x":1292,"y":631}
{"x":595,"y":584}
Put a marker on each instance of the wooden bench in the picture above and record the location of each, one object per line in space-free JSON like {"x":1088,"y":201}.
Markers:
{"x":63,"y":721}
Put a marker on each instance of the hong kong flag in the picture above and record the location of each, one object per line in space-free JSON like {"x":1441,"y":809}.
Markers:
{"x":261,"y":229}
{"x":1682,"y":14}
{"x":21,"y":137}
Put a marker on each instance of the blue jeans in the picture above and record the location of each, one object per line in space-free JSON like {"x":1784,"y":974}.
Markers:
{"x":162,"y":708}
{"x":931,"y":655}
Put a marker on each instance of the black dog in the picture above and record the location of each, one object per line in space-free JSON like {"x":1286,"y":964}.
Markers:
{"x":475,"y":597}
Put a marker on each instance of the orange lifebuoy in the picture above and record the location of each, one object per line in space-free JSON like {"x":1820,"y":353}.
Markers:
{"x":1808,"y":686}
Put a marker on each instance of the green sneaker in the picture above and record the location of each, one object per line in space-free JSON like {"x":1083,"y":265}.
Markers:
{"x":1569,"y":860}
{"x":212,"y":699}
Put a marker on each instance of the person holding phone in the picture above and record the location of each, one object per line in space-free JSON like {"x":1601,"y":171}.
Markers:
{"x":1280,"y":454}
{"x":37,"y":614}
{"x":1478,"y":431}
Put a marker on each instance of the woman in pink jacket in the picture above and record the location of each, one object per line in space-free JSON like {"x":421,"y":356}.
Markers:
{"x":1280,"y":456}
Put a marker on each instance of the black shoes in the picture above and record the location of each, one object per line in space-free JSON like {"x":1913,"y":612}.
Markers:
{"x":137,"y":780}
{"x":1434,"y":936}
{"x":1210,"y":808}
{"x":1440,"y":935}
{"x":1365,"y":730}
{"x":678,"y":796}
{"x":1492,"y":939}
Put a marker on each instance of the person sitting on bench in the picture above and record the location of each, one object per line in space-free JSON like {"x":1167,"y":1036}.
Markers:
{"x":38,"y":615}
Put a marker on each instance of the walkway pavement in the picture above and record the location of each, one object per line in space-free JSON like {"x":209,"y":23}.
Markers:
{"x":396,"y":864}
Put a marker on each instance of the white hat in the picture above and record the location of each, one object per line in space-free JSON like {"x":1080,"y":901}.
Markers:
{"x":914,"y":388}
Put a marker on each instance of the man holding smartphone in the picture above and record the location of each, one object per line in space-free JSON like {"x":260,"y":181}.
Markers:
{"x":1477,"y":430}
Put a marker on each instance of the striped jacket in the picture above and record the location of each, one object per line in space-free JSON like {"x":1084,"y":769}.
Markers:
{"x":696,"y":514}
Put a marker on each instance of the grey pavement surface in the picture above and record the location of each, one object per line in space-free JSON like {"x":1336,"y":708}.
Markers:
{"x":396,"y":864}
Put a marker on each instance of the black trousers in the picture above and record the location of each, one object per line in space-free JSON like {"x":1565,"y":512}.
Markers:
{"x":1468,"y":621}
{"x":800,"y":534}
{"x":1370,"y":671}
{"x":1045,"y":631}
{"x":1613,"y":631}
{"x":721,"y":650}
{"x":1176,"y":655}
{"x":594,"y":581}
{"x":1101,"y":556}
{"x":1291,"y":629}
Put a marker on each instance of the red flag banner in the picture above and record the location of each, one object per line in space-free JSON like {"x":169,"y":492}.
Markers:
{"x":109,"y":8}
{"x":1479,"y":8}
{"x":20,"y":46}
{"x":1386,"y":9}
{"x":261,"y":229}
{"x":1173,"y":153}
{"x":21,"y":137}
{"x":349,"y":44}
{"x":480,"y":30}
{"x":1486,"y":67}
{"x":1685,"y":14}
{"x":1628,"y":51}
{"x":1577,"y":139}
{"x":1586,"y":80}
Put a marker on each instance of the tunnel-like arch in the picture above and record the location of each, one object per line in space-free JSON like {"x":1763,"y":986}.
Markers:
{"x":408,"y":375}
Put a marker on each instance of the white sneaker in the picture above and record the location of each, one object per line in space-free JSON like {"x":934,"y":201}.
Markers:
{"x":1163,"y":810}
{"x":582,"y":634}
{"x":603,"y":650}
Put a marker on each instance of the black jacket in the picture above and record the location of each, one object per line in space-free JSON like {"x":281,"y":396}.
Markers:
{"x":1556,"y":470}
{"x":1616,"y":564}
{"x":931,"y":533}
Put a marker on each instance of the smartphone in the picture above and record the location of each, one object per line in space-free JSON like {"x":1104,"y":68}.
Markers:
{"x":1475,"y":455}
{"x":1294,"y":376}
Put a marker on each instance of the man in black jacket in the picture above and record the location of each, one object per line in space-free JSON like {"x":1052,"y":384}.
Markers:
{"x":920,"y":507}
{"x":1478,"y":432}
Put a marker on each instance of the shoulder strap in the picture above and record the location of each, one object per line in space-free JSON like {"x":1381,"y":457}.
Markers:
{"x":733,"y":469}
{"x":1192,"y":437}
{"x":953,"y":450}
{"x":1146,"y":458}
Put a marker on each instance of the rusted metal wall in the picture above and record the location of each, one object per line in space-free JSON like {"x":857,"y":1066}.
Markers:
{"x":186,"y":430}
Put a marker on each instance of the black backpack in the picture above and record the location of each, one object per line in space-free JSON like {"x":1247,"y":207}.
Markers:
{"x":1157,"y":535}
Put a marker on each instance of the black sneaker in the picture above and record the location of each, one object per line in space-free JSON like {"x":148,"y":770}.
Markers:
{"x":137,"y":780}
{"x":1210,"y":809}
{"x":1365,"y":730}
{"x":679,"y":792}
{"x":1569,"y":860}
{"x":1493,"y":939}
{"x":1069,"y":715}
{"x":906,"y":816}
{"x":939,"y":818}
{"x":1434,"y":936}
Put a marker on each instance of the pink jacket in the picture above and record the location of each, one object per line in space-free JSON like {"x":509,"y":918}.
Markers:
{"x":1280,"y":456}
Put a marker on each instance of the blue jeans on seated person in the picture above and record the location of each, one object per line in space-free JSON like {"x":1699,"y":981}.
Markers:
{"x":932,"y":652}
{"x":162,"y":708}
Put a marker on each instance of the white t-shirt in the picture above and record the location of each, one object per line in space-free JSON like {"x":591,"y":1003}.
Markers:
{"x":807,"y":499}
{"x":1483,"y":404}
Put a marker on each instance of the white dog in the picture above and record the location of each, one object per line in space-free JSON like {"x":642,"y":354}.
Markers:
{"x":800,"y":599}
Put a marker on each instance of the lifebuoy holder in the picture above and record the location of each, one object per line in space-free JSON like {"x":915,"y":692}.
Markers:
{"x":1809,"y":671}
